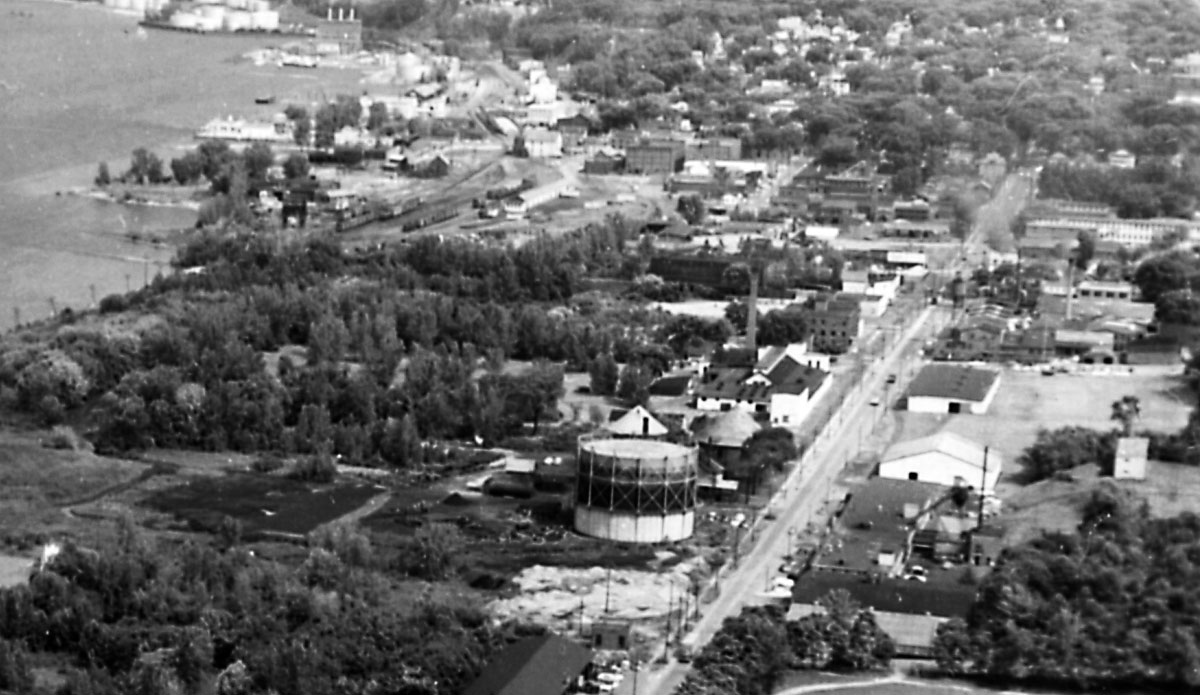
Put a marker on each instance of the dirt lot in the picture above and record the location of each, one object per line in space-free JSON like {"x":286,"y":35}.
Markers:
{"x":1028,"y":401}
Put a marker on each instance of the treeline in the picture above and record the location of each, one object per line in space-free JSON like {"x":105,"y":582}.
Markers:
{"x":155,"y":619}
{"x":753,"y":650}
{"x":1112,"y":606}
{"x":1154,"y":188}
{"x":307,"y":349}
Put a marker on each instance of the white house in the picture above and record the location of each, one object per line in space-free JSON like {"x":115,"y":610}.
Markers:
{"x":778,"y":384}
{"x":541,"y":143}
{"x":1130,"y":461}
{"x":543,"y":91}
{"x":950,"y":388}
{"x":515,"y":208}
{"x":944,"y":458}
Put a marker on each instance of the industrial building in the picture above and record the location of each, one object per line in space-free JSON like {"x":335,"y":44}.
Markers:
{"x":943,"y":458}
{"x":654,"y":157}
{"x":949,"y":388}
{"x":781,"y":385}
{"x":635,"y":490}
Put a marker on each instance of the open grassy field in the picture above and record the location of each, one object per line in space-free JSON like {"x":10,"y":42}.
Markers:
{"x":35,"y":482}
{"x":263,"y":503}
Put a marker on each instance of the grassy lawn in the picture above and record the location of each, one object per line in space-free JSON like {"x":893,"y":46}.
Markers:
{"x":35,"y":480}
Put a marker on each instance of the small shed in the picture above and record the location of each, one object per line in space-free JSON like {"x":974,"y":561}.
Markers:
{"x":1130,"y":462}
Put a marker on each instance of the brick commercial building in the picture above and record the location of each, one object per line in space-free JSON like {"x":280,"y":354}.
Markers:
{"x":654,"y":157}
{"x":834,"y":322}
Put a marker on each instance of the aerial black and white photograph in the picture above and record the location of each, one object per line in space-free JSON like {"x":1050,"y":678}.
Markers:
{"x":599,"y":347}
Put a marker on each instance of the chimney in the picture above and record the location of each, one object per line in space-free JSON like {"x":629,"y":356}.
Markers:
{"x":341,"y":14}
{"x":352,"y":14}
{"x":329,"y":15}
{"x":752,"y":314}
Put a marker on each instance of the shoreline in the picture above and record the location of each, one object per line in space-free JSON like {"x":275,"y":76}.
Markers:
{"x":129,"y":199}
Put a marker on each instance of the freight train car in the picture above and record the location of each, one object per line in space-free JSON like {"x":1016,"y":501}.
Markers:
{"x":423,"y":218}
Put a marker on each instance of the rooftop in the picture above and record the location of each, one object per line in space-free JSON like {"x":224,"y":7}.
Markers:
{"x":950,"y":444}
{"x":636,"y":422}
{"x":730,"y":428}
{"x":892,"y":596}
{"x":634,"y":448}
{"x":954,"y":382}
{"x":534,"y":666}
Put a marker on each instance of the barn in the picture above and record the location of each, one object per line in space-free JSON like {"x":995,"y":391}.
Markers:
{"x":951,"y":388}
{"x":944,"y":458}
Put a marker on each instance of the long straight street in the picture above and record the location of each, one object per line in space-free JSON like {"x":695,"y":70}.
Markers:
{"x":801,"y":497}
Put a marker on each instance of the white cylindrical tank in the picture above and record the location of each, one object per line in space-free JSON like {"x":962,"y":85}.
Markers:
{"x":264,"y":20}
{"x":259,"y":5}
{"x":237,"y":20}
{"x":211,"y":12}
{"x":635,"y":490}
{"x":235,"y":4}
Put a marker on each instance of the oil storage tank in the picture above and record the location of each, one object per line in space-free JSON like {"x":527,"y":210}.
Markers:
{"x":635,"y":490}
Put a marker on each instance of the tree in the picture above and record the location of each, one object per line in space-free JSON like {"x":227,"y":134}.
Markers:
{"x":187,"y":169}
{"x":1127,"y":411}
{"x":295,"y":166}
{"x":962,"y":217}
{"x":692,"y":209}
{"x":1085,"y":250}
{"x":1180,"y":307}
{"x":604,"y":374}
{"x":1164,"y":273}
{"x":102,"y":176}
{"x":145,"y":166}
{"x":258,"y":158}
{"x":634,"y":385}
{"x":401,"y":445}
{"x":377,"y":116}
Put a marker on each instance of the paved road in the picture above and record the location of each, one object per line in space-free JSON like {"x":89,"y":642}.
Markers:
{"x":802,"y":495}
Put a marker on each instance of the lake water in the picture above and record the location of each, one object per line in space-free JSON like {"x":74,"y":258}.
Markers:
{"x":78,"y":85}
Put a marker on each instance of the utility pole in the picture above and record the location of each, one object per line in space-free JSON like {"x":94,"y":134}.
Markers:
{"x":607,"y":588}
{"x":982,"y":489}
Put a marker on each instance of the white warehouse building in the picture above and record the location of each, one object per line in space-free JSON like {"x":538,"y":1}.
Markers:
{"x":945,"y":459}
{"x":951,"y":388}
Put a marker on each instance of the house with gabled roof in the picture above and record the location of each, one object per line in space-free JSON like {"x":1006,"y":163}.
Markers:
{"x":635,"y":422}
{"x":781,"y":385}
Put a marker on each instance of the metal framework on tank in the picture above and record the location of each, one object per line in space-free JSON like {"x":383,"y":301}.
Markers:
{"x":634,"y":496}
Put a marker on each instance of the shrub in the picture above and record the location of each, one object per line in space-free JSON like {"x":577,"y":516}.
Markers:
{"x":63,"y":437}
{"x":318,"y":468}
{"x":113,"y":303}
{"x":267,"y":463}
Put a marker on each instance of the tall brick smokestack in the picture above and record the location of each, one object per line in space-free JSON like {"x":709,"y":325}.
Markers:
{"x":752,"y":314}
